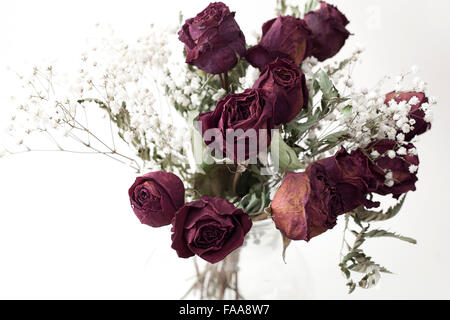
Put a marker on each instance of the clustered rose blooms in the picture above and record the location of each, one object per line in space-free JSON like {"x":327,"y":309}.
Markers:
{"x":307,"y":204}
{"x":155,"y":197}
{"x":280,"y":93}
{"x":416,"y":113}
{"x":284,"y":78}
{"x":210,"y":227}
{"x":328,"y":32}
{"x":250,"y":111}
{"x":283,"y":37}
{"x":213,"y":40}
{"x":403,"y":180}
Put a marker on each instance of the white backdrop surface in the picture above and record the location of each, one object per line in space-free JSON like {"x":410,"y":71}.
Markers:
{"x":66,"y":229}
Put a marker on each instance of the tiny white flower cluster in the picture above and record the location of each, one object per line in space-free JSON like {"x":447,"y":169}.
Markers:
{"x":122,"y":79}
{"x":252,"y":74}
{"x":340,"y":74}
{"x":373,"y":118}
{"x":38,"y":112}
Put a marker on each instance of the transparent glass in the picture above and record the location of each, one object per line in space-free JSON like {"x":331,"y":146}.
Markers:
{"x":263,"y":274}
{"x":256,"y":271}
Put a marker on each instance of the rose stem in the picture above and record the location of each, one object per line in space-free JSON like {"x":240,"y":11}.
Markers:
{"x":227,"y":87}
{"x":237,"y":175}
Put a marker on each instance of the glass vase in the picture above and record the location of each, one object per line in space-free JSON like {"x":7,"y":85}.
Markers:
{"x":255,"y":271}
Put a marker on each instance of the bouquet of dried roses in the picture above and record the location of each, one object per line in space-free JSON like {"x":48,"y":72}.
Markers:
{"x":272,"y":131}
{"x":373,"y":154}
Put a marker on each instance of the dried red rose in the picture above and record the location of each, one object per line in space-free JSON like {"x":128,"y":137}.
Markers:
{"x":283,"y":37}
{"x":308,"y":204}
{"x":155,"y":197}
{"x":211,"y":228}
{"x":329,"y":34}
{"x":213,"y":40}
{"x":242,"y":115}
{"x":288,"y":83}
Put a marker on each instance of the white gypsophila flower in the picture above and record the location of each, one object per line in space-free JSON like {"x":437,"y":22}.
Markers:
{"x":195,"y":99}
{"x":389,"y":183}
{"x":400,"y":137}
{"x":389,"y":175}
{"x":375,"y":154}
{"x":406,"y":128}
{"x":428,"y":116}
{"x":219,"y":94}
{"x":402,"y":151}
{"x":414,"y":100}
{"x":413,"y":152}
{"x":433,"y":100}
{"x":413,"y":168}
{"x":252,"y":74}
{"x":391,"y":154}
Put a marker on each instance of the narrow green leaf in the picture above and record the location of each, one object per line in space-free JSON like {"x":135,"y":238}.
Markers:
{"x":286,"y":157}
{"x":378,"y":233}
{"x":365,"y":215}
{"x":326,"y":85}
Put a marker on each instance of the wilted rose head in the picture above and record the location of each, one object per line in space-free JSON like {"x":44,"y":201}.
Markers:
{"x":395,"y":168}
{"x":308,"y":204}
{"x":237,"y":122}
{"x":288,"y":83}
{"x":417,"y":114}
{"x":328,"y":31}
{"x":289,"y":206}
{"x":155,"y":197}
{"x":211,"y":228}
{"x":283,"y":37}
{"x":213,"y":40}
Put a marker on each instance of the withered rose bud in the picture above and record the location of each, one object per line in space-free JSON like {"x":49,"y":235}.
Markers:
{"x":289,"y":206}
{"x":283,"y":37}
{"x":416,"y":113}
{"x":328,"y":31}
{"x":395,"y":169}
{"x":308,"y":204}
{"x":155,"y":197}
{"x":284,"y":78}
{"x":211,"y":228}
{"x":213,"y":40}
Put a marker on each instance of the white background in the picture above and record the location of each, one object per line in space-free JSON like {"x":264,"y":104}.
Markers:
{"x":66,"y":229}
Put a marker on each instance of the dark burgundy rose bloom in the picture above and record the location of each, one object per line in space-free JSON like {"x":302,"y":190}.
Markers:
{"x":155,"y":197}
{"x":240,"y":117}
{"x":308,"y":204}
{"x":213,"y":40}
{"x":283,"y":37}
{"x":328,"y":31}
{"x":403,"y":167}
{"x":416,"y":113}
{"x":284,"y":78}
{"x":211,"y":228}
